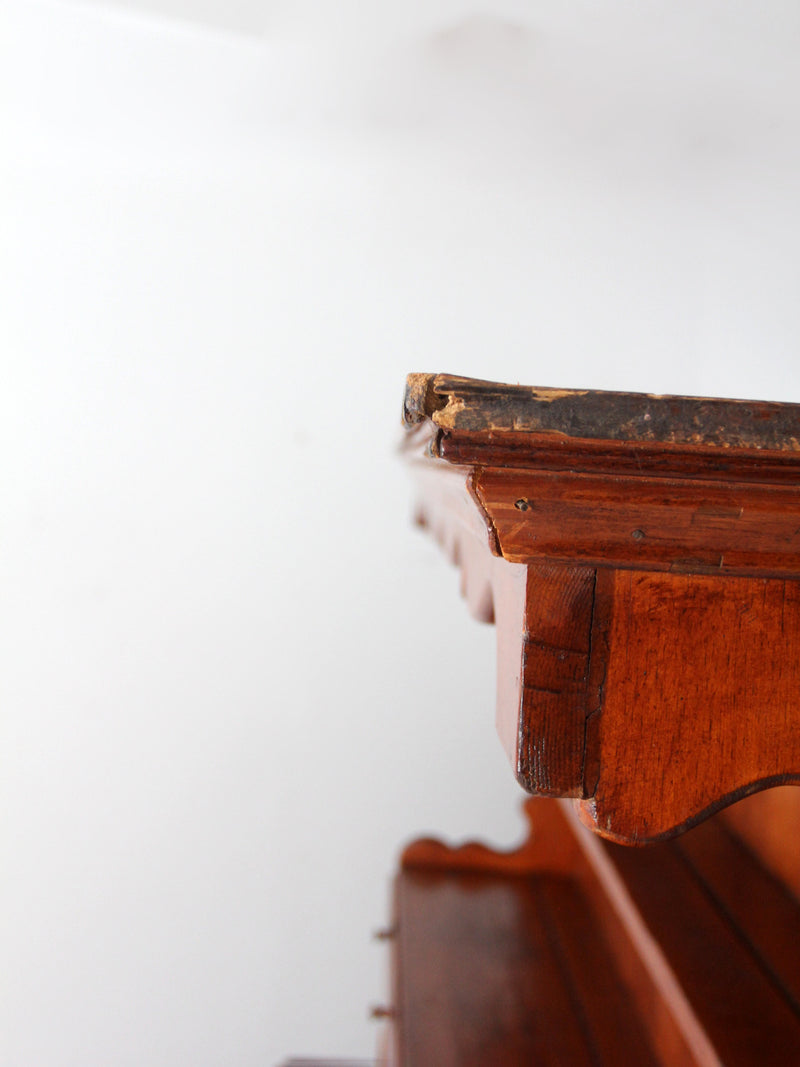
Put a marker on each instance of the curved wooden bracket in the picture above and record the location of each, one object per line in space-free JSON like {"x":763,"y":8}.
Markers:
{"x":699,"y":703}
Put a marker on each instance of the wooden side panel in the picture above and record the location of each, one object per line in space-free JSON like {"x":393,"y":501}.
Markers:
{"x":757,"y":905}
{"x":550,"y":655}
{"x":700,"y":699}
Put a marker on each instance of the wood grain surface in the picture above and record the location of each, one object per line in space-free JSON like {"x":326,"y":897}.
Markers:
{"x":700,"y":698}
{"x":497,"y":957}
{"x":641,"y":559}
{"x":653,"y":523}
{"x":572,"y":950}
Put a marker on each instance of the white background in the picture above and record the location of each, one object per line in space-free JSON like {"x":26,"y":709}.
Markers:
{"x":233,"y":679}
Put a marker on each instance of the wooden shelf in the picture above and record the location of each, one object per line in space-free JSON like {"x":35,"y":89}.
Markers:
{"x":573,"y":951}
{"x":503,"y":970}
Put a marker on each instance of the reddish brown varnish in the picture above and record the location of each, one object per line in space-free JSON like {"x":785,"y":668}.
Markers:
{"x":768,"y":824}
{"x":497,"y":955}
{"x":641,"y":558}
{"x":569,"y":950}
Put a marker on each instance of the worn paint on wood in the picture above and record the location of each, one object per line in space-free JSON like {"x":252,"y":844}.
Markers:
{"x":464,"y":404}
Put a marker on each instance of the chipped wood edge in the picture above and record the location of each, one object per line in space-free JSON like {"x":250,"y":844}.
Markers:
{"x":455,"y":404}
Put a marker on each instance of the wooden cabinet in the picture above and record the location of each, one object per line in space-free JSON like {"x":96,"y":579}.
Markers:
{"x":640,"y":557}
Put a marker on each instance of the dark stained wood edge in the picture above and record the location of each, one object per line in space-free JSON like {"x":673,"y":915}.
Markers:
{"x":587,"y":810}
{"x":553,"y":452}
{"x":555,"y":670}
{"x":602,"y":608}
{"x":463,"y":404}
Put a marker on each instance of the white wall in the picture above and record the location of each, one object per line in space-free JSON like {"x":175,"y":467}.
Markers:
{"x":232,"y":678}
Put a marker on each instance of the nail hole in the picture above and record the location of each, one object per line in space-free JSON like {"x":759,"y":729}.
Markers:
{"x":522,"y":504}
{"x":637,"y":535}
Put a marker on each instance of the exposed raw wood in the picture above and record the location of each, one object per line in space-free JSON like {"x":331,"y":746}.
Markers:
{"x":465,"y":404}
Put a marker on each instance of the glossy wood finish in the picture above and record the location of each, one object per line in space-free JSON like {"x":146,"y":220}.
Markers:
{"x":640,"y":556}
{"x":572,"y":950}
{"x":724,"y":689}
{"x":653,"y":523}
{"x":498,"y":958}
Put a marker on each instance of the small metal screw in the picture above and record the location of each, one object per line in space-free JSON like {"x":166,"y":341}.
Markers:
{"x":522,"y":504}
{"x":638,"y":535}
{"x":379,"y":1011}
{"x":386,"y":934}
